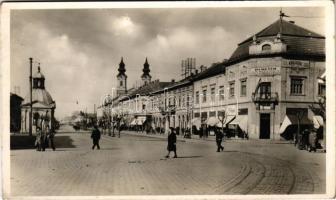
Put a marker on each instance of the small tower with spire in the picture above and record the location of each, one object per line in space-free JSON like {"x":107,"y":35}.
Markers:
{"x":122,"y":79}
{"x":146,"y":77}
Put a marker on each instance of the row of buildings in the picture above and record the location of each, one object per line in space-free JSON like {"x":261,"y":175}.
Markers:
{"x":267,"y":87}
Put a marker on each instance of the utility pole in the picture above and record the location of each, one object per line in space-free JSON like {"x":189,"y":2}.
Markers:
{"x":31,"y":98}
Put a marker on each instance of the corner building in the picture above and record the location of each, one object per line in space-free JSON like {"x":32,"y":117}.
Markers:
{"x":269,"y":79}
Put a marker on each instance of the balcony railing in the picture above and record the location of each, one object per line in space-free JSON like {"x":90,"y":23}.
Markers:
{"x":265,"y":97}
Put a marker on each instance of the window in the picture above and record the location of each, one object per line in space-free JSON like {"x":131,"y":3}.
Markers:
{"x":221,"y":93}
{"x":197,"y":97}
{"x":296,"y":86}
{"x":321,"y":89}
{"x":266,"y":47}
{"x":121,"y":83}
{"x":188,"y":99}
{"x":232,"y":89}
{"x":243,"y":87}
{"x":265,"y":89}
{"x":213,"y":95}
{"x":204,"y":96}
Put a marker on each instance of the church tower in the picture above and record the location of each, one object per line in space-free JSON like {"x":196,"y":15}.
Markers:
{"x":122,"y":79}
{"x":146,"y":77}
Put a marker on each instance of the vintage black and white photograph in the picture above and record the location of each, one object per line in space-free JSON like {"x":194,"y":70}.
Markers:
{"x":148,"y":99}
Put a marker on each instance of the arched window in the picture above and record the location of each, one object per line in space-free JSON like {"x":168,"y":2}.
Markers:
{"x":266,"y":47}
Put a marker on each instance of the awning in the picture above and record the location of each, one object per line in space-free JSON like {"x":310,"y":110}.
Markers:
{"x":212,"y":121}
{"x":196,"y":122}
{"x":241,"y":121}
{"x":141,"y":120}
{"x":134,"y":122}
{"x":317,"y":121}
{"x":228,"y":119}
{"x":293,"y":120}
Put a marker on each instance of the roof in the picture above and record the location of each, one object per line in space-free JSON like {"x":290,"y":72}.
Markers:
{"x":13,"y":95}
{"x":215,"y":69}
{"x":39,"y":95}
{"x":299,"y":41}
{"x":148,"y":88}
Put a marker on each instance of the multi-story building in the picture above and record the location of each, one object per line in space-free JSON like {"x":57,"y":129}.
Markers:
{"x":268,"y":83}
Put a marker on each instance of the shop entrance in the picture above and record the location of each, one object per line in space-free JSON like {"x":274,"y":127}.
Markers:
{"x":265,"y":126}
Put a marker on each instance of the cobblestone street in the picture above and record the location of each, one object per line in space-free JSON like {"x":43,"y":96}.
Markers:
{"x":135,"y":165}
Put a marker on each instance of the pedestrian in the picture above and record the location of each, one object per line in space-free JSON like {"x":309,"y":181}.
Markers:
{"x":219,"y":139}
{"x":50,"y":137}
{"x":95,"y":137}
{"x":38,"y":139}
{"x":44,"y":139}
{"x":171,"y":143}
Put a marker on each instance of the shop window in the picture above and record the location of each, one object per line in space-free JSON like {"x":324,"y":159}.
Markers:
{"x":321,"y":89}
{"x":243,"y":88}
{"x":266,"y":47}
{"x":232,"y":89}
{"x":296,"y":86}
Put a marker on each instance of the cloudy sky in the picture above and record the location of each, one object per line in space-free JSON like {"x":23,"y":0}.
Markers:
{"x":80,"y":50}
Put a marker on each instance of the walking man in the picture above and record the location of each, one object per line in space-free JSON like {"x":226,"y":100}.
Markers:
{"x":171,"y":143}
{"x":95,"y":137}
{"x":219,"y":139}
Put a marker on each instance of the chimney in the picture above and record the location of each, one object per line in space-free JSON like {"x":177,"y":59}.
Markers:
{"x":196,"y":71}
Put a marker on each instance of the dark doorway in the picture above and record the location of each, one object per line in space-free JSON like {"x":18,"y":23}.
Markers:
{"x":265,"y":126}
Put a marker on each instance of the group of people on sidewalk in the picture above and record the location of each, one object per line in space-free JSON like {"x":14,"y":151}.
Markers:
{"x":43,"y":137}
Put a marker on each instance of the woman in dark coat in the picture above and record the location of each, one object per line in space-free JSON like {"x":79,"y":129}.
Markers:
{"x":171,"y":143}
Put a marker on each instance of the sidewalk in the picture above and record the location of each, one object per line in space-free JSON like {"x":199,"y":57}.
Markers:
{"x":195,"y":138}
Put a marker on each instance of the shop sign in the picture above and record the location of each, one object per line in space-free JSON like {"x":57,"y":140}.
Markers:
{"x":295,"y":63}
{"x":265,"y":70}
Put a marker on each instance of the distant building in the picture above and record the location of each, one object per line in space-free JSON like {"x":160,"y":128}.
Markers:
{"x":15,"y":112}
{"x":43,"y":105}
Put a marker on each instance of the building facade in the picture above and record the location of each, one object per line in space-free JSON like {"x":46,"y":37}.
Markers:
{"x":268,"y":80}
{"x":42,"y":104}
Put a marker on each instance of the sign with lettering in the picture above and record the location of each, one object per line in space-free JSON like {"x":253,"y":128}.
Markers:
{"x":265,"y":70}
{"x":295,"y":63}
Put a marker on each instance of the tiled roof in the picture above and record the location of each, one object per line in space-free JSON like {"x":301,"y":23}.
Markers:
{"x":215,"y":69}
{"x":299,"y":41}
{"x":148,"y":88}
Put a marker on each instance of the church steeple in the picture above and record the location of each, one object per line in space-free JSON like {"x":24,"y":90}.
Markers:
{"x":146,"y":77}
{"x":121,"y":68}
{"x":122,"y":78}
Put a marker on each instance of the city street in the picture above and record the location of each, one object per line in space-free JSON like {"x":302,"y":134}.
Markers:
{"x":135,"y":165}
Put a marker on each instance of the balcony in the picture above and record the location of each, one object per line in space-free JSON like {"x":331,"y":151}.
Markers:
{"x":271,"y":97}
